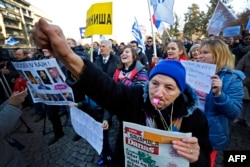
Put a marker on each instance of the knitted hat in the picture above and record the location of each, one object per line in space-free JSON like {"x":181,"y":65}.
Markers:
{"x":193,"y":47}
{"x":173,"y":69}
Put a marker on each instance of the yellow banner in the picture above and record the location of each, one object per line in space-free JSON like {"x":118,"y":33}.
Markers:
{"x":99,"y":19}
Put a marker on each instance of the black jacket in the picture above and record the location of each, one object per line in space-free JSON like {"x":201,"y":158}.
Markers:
{"x":130,"y":103}
{"x":110,"y":66}
{"x":149,"y":51}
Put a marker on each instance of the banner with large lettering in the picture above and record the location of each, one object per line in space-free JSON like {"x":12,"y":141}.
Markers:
{"x":45,"y":81}
{"x":145,"y":146}
{"x":99,"y":19}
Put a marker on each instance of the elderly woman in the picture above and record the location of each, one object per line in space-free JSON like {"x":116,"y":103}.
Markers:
{"x":164,"y":103}
{"x":194,"y":52}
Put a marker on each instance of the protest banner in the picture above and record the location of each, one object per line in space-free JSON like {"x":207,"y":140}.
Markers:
{"x":248,"y":25}
{"x":45,"y":81}
{"x":99,"y":19}
{"x":232,"y":31}
{"x":222,"y":17}
{"x":198,"y":75}
{"x":146,"y":146}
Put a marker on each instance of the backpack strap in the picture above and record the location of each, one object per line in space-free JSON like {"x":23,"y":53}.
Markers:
{"x":131,"y":76}
{"x":116,"y":76}
{"x":133,"y":73}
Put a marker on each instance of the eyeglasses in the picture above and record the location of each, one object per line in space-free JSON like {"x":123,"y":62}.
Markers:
{"x":247,"y":39}
{"x":149,"y":41}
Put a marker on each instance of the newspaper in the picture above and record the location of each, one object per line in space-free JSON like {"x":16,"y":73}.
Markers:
{"x":149,"y":147}
{"x":45,"y":81}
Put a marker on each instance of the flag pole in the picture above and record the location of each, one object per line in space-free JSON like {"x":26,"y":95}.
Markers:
{"x":91,"y":49}
{"x":152,"y":29}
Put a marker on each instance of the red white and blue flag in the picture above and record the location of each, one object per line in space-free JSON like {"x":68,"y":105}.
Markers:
{"x":163,"y":11}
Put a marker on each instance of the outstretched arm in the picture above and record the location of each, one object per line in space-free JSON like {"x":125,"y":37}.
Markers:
{"x":48,"y":36}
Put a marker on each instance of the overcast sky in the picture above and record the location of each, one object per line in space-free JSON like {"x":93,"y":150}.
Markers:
{"x":70,"y":15}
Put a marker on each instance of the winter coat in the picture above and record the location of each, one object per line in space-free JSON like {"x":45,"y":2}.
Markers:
{"x":110,"y":66}
{"x":240,"y":51}
{"x":135,"y":75}
{"x":9,"y":155}
{"x":131,"y":103}
{"x":149,"y":51}
{"x":244,"y":66}
{"x":143,"y":58}
{"x":219,"y":109}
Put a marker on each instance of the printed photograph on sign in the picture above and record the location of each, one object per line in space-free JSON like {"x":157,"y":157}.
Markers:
{"x":55,"y":75}
{"x":41,"y":84}
{"x":43,"y":75}
{"x":58,"y":97}
{"x":30,"y":77}
{"x":68,"y":96}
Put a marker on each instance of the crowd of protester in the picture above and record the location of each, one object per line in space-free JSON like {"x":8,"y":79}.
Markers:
{"x":160,"y":74}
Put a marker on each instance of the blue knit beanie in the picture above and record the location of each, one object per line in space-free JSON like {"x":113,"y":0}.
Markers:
{"x":173,"y":69}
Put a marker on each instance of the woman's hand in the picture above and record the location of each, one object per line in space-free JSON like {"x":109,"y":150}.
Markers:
{"x":73,"y":104}
{"x":155,"y":60}
{"x":188,"y":148}
{"x":49,"y":36}
{"x":105,"y":125}
{"x":216,"y":85}
{"x":17,"y":98}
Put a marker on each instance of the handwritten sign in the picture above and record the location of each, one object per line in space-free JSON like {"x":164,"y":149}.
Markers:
{"x":85,"y":126}
{"x":198,"y":75}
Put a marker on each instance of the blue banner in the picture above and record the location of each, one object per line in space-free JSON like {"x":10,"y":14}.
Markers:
{"x":248,"y":25}
{"x":82,"y":32}
{"x":231,"y":31}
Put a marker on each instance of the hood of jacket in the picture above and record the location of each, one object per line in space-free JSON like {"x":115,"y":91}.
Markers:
{"x":184,"y":105}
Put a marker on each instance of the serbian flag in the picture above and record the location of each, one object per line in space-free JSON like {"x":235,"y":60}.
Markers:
{"x":157,"y":23}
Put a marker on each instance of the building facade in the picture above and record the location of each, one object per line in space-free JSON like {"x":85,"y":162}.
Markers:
{"x":17,"y":18}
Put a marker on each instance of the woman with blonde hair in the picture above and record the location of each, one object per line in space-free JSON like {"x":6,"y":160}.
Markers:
{"x":224,"y":101}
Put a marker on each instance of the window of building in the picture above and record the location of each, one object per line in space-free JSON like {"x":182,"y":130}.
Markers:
{"x":4,"y":12}
{"x":16,"y":9}
{"x":9,"y":22}
{"x":2,"y":4}
{"x":11,"y":15}
{"x":13,"y":32}
{"x":9,"y":6}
